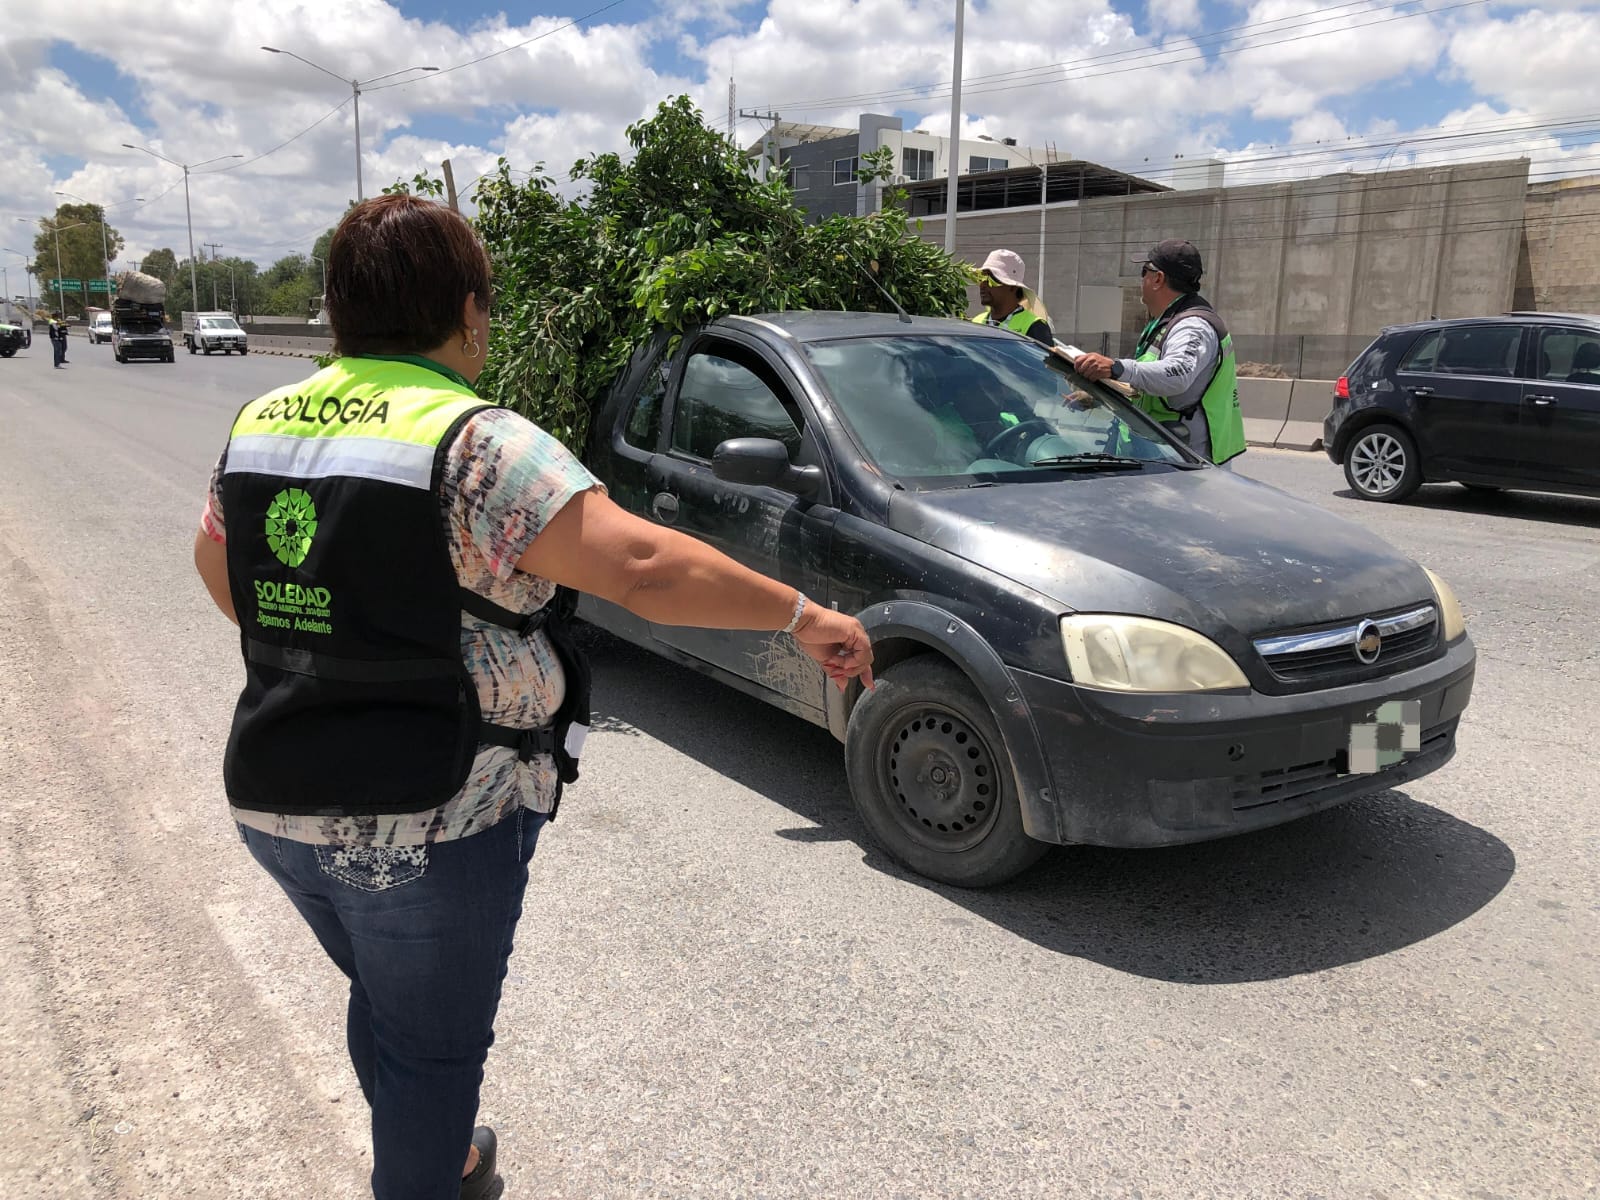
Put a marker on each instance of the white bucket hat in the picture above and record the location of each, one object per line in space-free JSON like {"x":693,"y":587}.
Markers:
{"x":1006,"y":267}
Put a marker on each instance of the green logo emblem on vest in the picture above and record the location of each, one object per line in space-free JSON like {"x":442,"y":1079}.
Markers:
{"x":291,"y":524}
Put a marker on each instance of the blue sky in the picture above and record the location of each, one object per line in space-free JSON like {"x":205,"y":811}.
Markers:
{"x":1346,"y":86}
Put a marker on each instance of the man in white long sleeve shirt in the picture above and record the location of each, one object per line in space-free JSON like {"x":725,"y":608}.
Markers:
{"x":1183,"y":371}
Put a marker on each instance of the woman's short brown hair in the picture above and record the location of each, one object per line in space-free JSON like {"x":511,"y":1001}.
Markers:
{"x":399,"y":270}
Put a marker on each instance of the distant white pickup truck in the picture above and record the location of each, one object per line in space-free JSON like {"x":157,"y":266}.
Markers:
{"x":212,"y":331}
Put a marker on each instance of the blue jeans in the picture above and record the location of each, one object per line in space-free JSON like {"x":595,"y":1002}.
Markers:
{"x":424,"y":934}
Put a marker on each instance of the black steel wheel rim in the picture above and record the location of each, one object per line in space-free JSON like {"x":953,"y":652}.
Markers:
{"x":939,"y":778}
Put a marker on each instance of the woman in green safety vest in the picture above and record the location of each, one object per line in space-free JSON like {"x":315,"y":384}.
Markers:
{"x":1183,"y":371}
{"x":1007,"y":302}
{"x":389,"y":546}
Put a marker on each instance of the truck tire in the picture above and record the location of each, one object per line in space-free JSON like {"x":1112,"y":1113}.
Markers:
{"x":245,"y":351}
{"x":930,"y":777}
{"x":189,"y":344}
{"x":8,"y":352}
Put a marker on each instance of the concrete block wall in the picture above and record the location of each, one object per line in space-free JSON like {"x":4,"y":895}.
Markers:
{"x":1559,"y":267}
{"x":1338,"y":256}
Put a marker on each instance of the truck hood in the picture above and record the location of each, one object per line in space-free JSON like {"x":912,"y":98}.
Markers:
{"x":1209,"y":549}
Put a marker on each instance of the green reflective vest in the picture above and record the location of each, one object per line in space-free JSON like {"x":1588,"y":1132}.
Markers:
{"x":1018,"y":322}
{"x":356,"y":699}
{"x":1219,"y":404}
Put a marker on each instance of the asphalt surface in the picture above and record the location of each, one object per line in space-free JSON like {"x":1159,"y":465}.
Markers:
{"x":719,"y":990}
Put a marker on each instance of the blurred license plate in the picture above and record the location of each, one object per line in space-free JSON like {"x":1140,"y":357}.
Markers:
{"x":1394,"y":731}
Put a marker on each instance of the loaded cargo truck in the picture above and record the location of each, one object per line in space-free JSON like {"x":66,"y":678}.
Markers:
{"x":138,"y":320}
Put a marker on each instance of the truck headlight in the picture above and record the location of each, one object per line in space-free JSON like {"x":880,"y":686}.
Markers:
{"x":1455,"y":625}
{"x":1137,"y":654}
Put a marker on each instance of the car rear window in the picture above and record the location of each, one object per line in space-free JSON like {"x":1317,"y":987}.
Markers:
{"x":1570,"y":356}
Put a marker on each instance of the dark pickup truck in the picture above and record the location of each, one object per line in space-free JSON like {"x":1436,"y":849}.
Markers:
{"x":140,"y":331}
{"x":1084,"y":633}
{"x":12,"y":339}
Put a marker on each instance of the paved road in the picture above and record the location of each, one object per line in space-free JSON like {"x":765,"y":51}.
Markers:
{"x":718,"y":991}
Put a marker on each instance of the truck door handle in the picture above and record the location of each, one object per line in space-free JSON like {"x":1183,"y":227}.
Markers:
{"x":665,"y":507}
{"x":1420,"y":391}
{"x":1543,"y":401}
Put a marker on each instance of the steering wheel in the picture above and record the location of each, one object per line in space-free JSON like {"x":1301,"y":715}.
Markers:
{"x":991,"y":448}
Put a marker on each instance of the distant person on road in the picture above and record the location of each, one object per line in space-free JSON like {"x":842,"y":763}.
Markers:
{"x":1183,"y":372}
{"x":391,"y":548}
{"x":58,"y":338}
{"x":1007,"y":301}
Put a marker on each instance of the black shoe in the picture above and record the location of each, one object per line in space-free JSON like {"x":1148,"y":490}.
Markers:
{"x":483,"y":1183}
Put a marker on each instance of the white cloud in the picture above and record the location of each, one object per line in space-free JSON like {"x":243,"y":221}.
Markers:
{"x":1083,"y":75}
{"x":1540,"y":60}
{"x":1173,"y":14}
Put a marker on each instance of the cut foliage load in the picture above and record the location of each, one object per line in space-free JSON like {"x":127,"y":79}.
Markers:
{"x":680,"y":233}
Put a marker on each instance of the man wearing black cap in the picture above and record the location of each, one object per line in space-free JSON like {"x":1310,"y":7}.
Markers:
{"x":1183,"y":372}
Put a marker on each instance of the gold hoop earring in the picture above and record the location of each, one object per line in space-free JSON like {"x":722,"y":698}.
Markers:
{"x":471,"y":348}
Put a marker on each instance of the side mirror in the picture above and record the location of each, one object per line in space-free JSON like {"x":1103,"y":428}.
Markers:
{"x":764,"y":462}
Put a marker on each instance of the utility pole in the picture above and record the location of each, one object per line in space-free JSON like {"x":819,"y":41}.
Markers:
{"x":951,"y":193}
{"x":450,"y":186}
{"x":732,"y":110}
{"x":770,"y":142}
{"x":215,"y":302}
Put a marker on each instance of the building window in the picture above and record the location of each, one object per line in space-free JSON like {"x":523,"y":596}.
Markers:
{"x":978,"y":164}
{"x":916,"y":164}
{"x":844,"y":170}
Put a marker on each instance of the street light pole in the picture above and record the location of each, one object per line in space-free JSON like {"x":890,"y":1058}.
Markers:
{"x":105,"y":245}
{"x":188,"y":212}
{"x":27,"y":268}
{"x":955,"y":137}
{"x":355,"y":95}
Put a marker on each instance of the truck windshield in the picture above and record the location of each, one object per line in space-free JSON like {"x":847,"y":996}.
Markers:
{"x":947,"y":408}
{"x":219,"y":323}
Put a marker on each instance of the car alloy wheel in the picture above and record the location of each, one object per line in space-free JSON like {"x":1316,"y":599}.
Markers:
{"x":1382,"y":464}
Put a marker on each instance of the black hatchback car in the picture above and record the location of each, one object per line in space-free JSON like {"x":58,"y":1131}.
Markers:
{"x":1490,"y":402}
{"x":1083,"y":632}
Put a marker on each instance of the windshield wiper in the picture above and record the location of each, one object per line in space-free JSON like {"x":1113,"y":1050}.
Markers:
{"x":1090,"y":458}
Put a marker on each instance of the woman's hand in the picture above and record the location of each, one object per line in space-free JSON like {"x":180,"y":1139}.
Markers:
{"x":837,"y":642}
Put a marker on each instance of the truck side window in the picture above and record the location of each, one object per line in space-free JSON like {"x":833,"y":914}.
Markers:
{"x":643,"y":430}
{"x":721,"y":399}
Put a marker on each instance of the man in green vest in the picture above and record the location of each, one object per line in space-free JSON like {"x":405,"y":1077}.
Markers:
{"x":1183,"y":372}
{"x":1007,"y":302}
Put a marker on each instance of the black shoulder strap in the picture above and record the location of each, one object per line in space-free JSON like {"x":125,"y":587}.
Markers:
{"x":527,"y":624}
{"x":557,"y":738}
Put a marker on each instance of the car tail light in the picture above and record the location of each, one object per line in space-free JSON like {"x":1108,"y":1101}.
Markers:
{"x":1341,"y":390}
